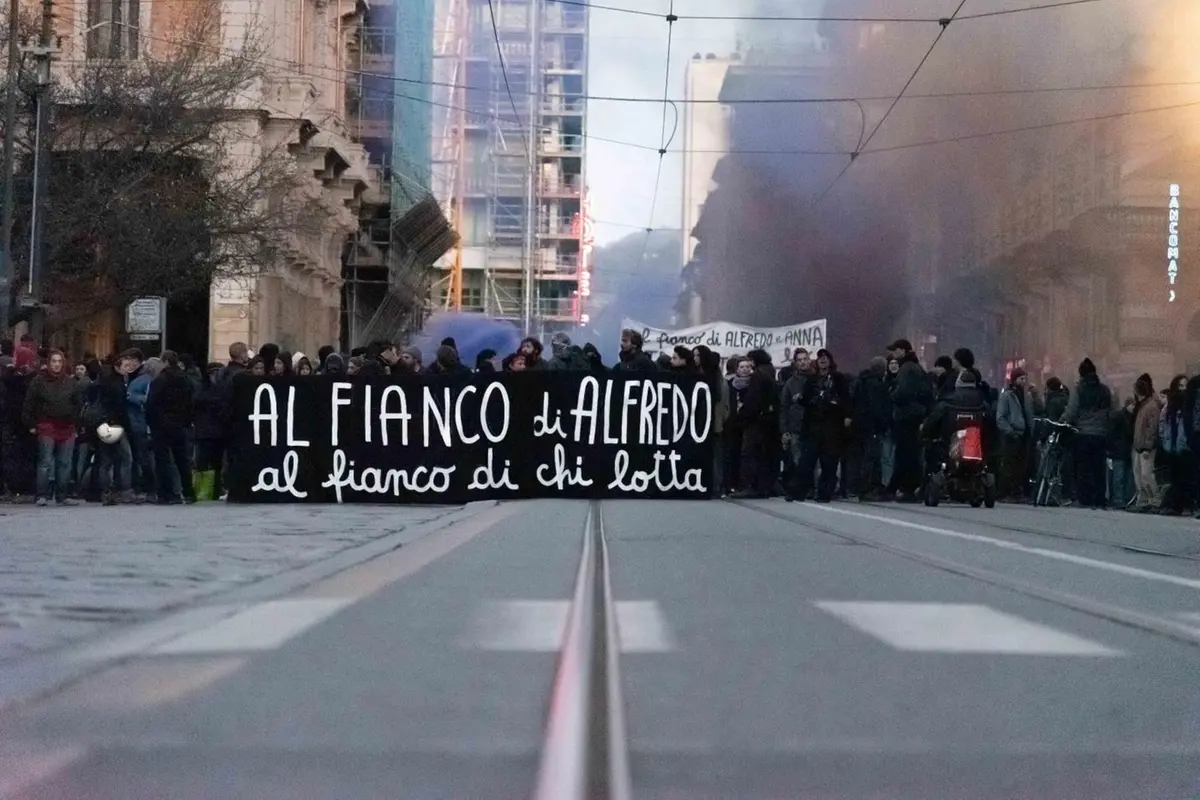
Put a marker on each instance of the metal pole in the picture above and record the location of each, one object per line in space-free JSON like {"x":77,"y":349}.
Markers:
{"x":532,"y":206}
{"x":10,"y":125}
{"x":41,"y":169}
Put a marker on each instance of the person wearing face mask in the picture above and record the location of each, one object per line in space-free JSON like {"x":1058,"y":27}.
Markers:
{"x":739,"y":386}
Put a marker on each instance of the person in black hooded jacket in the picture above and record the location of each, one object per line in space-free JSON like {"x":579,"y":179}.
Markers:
{"x":912,"y":400}
{"x":757,"y":416}
{"x":170,"y":414}
{"x":872,"y":418}
{"x":826,"y":402}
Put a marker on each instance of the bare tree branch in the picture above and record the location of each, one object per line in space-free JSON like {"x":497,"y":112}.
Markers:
{"x":160,"y":181}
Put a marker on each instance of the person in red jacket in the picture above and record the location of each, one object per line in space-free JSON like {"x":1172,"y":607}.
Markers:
{"x":51,"y":411}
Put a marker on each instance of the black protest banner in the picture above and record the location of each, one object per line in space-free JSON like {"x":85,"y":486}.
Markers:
{"x":431,"y":439}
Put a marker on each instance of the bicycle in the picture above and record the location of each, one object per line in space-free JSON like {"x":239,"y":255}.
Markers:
{"x":1049,"y":474}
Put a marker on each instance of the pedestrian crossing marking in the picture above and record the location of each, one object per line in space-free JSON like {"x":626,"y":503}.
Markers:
{"x":959,"y":628}
{"x":538,"y":626}
{"x":265,"y":626}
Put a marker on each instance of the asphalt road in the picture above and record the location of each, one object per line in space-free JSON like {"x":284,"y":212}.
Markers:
{"x":768,"y":650}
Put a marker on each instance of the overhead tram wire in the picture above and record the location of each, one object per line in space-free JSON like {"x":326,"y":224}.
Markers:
{"x":504,"y":73}
{"x":285,"y":67}
{"x":818,"y":17}
{"x":944,"y":26}
{"x":662,"y":136}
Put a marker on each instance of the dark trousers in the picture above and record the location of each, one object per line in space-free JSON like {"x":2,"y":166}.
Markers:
{"x":1014,"y":470}
{"x":1182,"y":470}
{"x":731,"y":452}
{"x":18,"y":459}
{"x":115,"y":465}
{"x":906,"y":475}
{"x":172,"y":445}
{"x":817,"y":451}
{"x":1091,"y":473}
{"x":868,"y":472}
{"x":758,"y":473}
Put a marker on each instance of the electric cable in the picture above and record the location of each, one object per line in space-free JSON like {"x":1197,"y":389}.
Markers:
{"x":504,"y":73}
{"x":665,"y":142}
{"x":286,"y":67}
{"x":816,"y":17}
{"x":944,"y":25}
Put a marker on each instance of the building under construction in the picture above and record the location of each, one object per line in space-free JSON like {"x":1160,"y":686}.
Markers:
{"x":508,"y":137}
{"x":389,"y":87}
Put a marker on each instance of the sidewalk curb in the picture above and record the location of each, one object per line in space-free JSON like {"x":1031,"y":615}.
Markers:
{"x":32,"y":678}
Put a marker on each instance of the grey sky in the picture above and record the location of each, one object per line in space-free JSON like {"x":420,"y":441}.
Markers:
{"x":628,"y":58}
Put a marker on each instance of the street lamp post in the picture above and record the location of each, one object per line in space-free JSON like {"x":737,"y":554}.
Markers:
{"x":10,"y":124}
{"x":42,"y":54}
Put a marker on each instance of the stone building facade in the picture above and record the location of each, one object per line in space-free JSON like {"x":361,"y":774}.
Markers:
{"x":301,"y":109}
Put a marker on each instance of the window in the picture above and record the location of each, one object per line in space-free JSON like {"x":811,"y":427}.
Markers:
{"x":113,"y":28}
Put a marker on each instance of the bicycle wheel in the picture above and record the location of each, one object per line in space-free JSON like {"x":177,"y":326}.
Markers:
{"x":1047,"y":473}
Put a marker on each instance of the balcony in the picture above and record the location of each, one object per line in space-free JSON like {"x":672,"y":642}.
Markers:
{"x":559,"y":266}
{"x":566,"y":186}
{"x":562,"y":65}
{"x":564,"y":19}
{"x":563,"y":106}
{"x":552,"y":145}
{"x":557,"y":229}
{"x":557,"y":308}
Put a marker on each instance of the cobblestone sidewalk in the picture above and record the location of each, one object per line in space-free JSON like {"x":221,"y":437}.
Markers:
{"x":67,"y":573}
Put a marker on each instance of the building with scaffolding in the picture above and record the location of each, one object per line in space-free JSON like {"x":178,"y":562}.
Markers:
{"x":509,"y":123}
{"x":389,"y":96}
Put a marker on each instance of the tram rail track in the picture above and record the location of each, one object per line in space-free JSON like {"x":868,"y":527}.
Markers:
{"x":1160,"y":626}
{"x":929,"y":514}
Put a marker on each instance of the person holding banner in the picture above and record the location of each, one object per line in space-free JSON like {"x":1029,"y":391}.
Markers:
{"x":826,"y":401}
{"x":760,"y":425}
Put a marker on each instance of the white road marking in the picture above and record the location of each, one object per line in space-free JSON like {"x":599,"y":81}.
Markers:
{"x":23,"y":768}
{"x":1084,"y":561}
{"x":959,"y":628}
{"x":537,"y":626}
{"x":642,"y":627}
{"x":1191,"y":617}
{"x":260,"y":627}
{"x":144,"y":637}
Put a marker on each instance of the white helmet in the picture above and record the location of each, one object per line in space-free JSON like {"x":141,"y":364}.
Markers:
{"x":109,"y":434}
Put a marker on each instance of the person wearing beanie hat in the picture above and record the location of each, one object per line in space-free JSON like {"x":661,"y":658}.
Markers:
{"x":1056,"y":400}
{"x":484,"y":362}
{"x":1090,"y":409}
{"x":944,"y":377}
{"x":1014,"y":422}
{"x":912,"y":400}
{"x":826,"y":401}
{"x":943,"y":423}
{"x":409,"y":361}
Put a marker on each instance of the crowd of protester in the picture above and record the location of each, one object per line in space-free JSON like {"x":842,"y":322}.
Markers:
{"x":811,"y":431}
{"x":132,"y":429}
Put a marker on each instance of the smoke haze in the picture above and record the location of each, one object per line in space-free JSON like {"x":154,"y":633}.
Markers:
{"x":860,"y":255}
